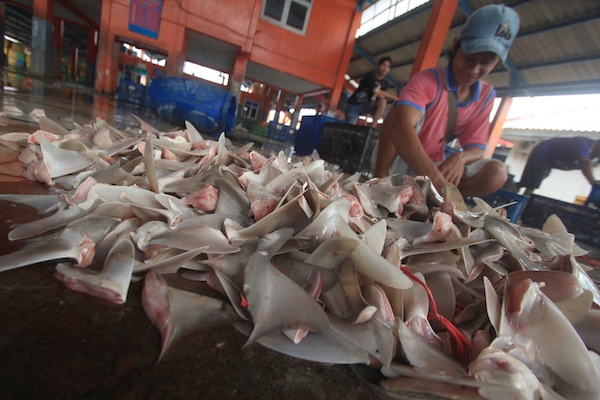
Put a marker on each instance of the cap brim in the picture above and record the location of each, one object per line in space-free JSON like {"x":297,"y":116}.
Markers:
{"x":472,"y":46}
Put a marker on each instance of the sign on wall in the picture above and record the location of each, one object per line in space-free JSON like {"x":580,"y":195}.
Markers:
{"x":144,"y":17}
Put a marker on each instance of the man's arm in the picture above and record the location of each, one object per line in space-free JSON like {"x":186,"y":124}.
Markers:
{"x":387,"y":95}
{"x":587,"y":167}
{"x":398,"y":136}
{"x":453,"y":167}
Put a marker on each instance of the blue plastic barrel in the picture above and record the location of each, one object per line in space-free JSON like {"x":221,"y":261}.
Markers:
{"x":209,"y":108}
{"x":308,"y":135}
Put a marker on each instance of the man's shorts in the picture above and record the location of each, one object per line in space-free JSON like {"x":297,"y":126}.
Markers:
{"x":353,"y":111}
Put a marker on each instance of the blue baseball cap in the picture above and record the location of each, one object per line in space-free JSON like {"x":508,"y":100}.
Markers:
{"x":491,"y":28}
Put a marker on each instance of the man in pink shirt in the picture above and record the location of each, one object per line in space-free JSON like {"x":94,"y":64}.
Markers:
{"x":415,"y":129}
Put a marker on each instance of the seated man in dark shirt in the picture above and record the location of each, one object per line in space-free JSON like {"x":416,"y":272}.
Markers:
{"x":564,"y":153}
{"x":370,"y":97}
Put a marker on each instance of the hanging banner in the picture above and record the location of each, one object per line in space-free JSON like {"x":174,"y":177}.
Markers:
{"x":144,"y":17}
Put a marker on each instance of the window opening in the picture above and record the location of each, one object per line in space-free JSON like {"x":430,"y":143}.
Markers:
{"x":250,"y":109}
{"x":208,"y":74}
{"x":384,"y":11}
{"x":289,"y":14}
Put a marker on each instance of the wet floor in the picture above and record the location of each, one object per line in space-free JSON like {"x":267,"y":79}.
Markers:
{"x":70,"y":103}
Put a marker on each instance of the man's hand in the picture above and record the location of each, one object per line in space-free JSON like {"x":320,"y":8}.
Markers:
{"x":453,"y":168}
{"x":376,"y":90}
{"x":439,"y":182}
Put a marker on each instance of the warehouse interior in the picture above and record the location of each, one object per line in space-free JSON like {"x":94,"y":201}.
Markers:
{"x":283,"y":72}
{"x":555,"y":54}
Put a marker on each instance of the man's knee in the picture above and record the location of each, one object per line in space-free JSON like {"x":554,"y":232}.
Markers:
{"x":483,"y":177}
{"x":381,"y":103}
{"x":495,"y":173}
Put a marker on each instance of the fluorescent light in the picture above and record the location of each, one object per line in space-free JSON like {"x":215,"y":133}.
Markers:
{"x":11,"y":39}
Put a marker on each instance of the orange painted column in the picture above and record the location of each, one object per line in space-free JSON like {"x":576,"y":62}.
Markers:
{"x":42,"y":38}
{"x":92,"y":50}
{"x":105,"y":40}
{"x":344,"y":62}
{"x":112,"y":79}
{"x":43,"y":9}
{"x":496,"y":127}
{"x":74,"y":64}
{"x":435,"y":34}
{"x":239,"y":72}
{"x":177,"y":53}
{"x":241,"y":61}
{"x":59,"y":33}
{"x":265,"y":104}
{"x":279,"y":106}
{"x":2,"y":55}
{"x":92,"y":54}
{"x":297,"y":108}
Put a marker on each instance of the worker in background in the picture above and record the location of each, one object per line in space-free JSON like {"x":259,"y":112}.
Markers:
{"x":370,"y":97}
{"x":564,"y":153}
{"x":415,"y":129}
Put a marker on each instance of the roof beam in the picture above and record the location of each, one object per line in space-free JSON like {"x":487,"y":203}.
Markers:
{"x":426,"y":7}
{"x":362,"y":4}
{"x":552,"y":89}
{"x":435,"y":34}
{"x":419,"y":10}
{"x":560,"y":62}
{"x":565,"y":24}
{"x":395,"y":22}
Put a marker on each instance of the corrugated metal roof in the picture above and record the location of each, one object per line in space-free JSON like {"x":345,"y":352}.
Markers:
{"x":546,"y":114}
{"x":557,"y":50}
{"x":549,"y":116}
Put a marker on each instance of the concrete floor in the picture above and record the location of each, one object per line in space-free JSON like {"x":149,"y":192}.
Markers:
{"x":57,"y":343}
{"x":67,"y":103}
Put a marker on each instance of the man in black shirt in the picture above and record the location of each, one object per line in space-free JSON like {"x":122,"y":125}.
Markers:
{"x":371,"y":97}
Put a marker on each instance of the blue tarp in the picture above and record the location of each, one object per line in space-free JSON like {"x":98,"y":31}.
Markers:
{"x":209,"y":108}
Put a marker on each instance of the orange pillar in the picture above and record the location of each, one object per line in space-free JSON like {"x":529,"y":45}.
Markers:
{"x":265,"y":104}
{"x":74,"y":63}
{"x":435,"y":34}
{"x":496,"y":127}
{"x":279,"y":107}
{"x":2,"y":55}
{"x":59,"y":33}
{"x":241,"y":61}
{"x":177,"y":53}
{"x":345,"y":61}
{"x":43,"y":9}
{"x":42,"y":38}
{"x":297,"y":108}
{"x":239,"y":72}
{"x":92,"y":54}
{"x":105,"y":41}
{"x":92,"y":50}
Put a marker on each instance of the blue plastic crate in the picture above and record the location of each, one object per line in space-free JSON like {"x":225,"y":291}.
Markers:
{"x":278,"y":132}
{"x":349,"y":146}
{"x":501,"y":197}
{"x":308,"y":135}
{"x":132,"y":92}
{"x":581,"y":221}
{"x":594,"y":197}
